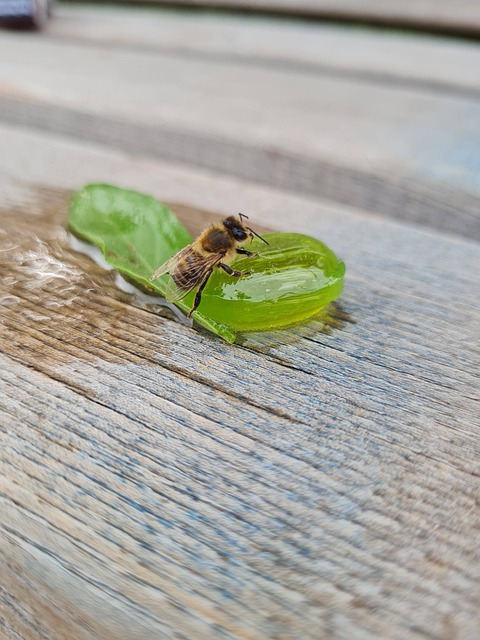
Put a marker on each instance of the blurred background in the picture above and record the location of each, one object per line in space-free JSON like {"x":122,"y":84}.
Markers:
{"x":371,"y":104}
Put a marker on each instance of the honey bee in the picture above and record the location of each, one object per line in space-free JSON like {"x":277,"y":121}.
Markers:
{"x":217,"y":246}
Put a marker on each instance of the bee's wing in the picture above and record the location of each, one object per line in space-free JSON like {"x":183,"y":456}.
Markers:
{"x":169,"y":265}
{"x":174,"y":293}
{"x":189,"y":273}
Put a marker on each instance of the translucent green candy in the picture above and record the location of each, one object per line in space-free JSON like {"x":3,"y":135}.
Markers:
{"x":291,"y":281}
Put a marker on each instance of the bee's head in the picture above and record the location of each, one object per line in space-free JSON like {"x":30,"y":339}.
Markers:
{"x":238,"y":230}
{"x":236,"y":227}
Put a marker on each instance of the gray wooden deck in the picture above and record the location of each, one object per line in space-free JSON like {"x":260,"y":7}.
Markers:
{"x":321,"y":482}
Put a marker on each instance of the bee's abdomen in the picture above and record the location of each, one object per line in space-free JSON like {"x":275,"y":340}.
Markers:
{"x":181,"y":279}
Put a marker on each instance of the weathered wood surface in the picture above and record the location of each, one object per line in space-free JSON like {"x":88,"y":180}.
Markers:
{"x":404,"y":151}
{"x":157,"y":482}
{"x":451,"y":16}
{"x":321,"y":482}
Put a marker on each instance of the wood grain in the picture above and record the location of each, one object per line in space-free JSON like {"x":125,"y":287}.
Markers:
{"x":328,"y":490}
{"x":398,"y":151}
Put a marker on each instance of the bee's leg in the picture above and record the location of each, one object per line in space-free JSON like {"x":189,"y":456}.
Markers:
{"x":231,"y":272}
{"x":250,"y":254}
{"x":198,"y":296}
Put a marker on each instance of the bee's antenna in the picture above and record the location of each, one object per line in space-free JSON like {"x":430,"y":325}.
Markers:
{"x":258,"y":236}
{"x":242,"y":215}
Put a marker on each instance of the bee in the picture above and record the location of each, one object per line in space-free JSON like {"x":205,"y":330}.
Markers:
{"x":215,"y":247}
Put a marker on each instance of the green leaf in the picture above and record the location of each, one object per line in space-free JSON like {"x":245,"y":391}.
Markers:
{"x":292,"y":279}
{"x":136,"y":234}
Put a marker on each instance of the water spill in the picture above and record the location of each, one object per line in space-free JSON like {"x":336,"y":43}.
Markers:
{"x":34,"y":270}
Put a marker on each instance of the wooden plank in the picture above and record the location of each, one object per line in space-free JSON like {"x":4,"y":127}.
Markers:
{"x":429,"y":62}
{"x":149,"y":490}
{"x":365,"y":152}
{"x":446,"y":16}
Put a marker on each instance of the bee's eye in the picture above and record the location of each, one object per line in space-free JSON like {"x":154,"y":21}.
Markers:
{"x":235,"y":228}
{"x":239,"y":234}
